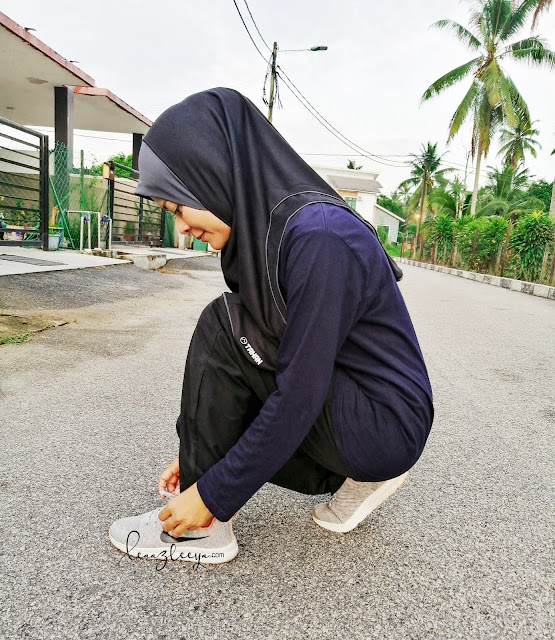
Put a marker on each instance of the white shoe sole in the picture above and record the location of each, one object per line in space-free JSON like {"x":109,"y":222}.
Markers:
{"x":372,"y":502}
{"x":191,"y":554}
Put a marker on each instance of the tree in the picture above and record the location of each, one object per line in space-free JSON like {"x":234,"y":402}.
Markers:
{"x":425,"y":169}
{"x":392,"y":204}
{"x":444,"y":202}
{"x":119,"y":159}
{"x":506,"y":194}
{"x":353,"y":165}
{"x":492,"y":99}
{"x":516,"y":141}
{"x":542,"y":190}
{"x":402,"y":194}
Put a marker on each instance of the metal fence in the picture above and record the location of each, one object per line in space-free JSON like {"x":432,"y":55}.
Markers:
{"x":75,"y":193}
{"x":44,"y":194}
{"x":135,"y":220}
{"x":24,"y":197}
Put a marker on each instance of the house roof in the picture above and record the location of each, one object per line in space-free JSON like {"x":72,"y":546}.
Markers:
{"x":389,"y":213}
{"x":29,"y":72}
{"x":354,"y":183}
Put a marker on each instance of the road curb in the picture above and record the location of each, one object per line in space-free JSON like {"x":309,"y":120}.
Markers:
{"x":531,"y":288}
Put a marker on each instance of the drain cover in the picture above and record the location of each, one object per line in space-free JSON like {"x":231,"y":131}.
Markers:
{"x":35,"y":261}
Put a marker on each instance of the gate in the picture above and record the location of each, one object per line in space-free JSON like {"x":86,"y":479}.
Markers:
{"x":23,"y":186}
{"x":135,"y":220}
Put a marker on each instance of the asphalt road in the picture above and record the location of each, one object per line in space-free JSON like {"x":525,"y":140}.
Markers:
{"x":87,"y":415}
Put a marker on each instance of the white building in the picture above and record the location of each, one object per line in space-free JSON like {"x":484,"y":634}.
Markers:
{"x":360,"y":190}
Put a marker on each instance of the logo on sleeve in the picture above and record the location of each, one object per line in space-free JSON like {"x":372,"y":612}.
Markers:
{"x":252,"y":353}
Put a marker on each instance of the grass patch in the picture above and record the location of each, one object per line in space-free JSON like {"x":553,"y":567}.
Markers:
{"x":395,"y":250}
{"x":14,"y":339}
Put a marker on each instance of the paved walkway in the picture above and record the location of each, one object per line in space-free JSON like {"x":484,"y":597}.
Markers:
{"x":18,"y":260}
{"x":87,"y":415}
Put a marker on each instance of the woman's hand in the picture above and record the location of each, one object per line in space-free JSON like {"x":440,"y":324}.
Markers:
{"x":169,"y":478}
{"x":186,"y":511}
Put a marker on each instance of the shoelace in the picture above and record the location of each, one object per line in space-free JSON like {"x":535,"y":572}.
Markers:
{"x":158,"y":509}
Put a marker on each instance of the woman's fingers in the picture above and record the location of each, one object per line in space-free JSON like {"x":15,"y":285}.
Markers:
{"x":172,"y":484}
{"x":169,"y":524}
{"x":178,"y":530}
{"x":169,"y":477}
{"x":168,"y":485}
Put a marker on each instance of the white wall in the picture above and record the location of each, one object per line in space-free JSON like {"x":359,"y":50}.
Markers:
{"x":381,"y":218}
{"x":365,"y":201}
{"x":365,"y":206}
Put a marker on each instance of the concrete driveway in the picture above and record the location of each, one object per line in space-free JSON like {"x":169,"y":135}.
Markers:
{"x":88,"y":412}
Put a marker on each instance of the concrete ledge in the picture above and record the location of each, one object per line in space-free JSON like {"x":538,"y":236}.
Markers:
{"x":149,"y":261}
{"x":531,"y":288}
{"x":153,"y":258}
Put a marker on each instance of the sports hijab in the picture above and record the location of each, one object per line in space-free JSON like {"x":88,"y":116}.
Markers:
{"x":157,"y":180}
{"x":217,"y":148}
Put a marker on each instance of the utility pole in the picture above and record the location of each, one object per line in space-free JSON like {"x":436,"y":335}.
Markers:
{"x":273,"y":80}
{"x":272,"y":83}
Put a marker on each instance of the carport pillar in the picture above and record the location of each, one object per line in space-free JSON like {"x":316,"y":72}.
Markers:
{"x":137,"y":141}
{"x":63,"y":136}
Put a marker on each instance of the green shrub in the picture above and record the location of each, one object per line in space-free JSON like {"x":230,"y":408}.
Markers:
{"x":528,"y":240}
{"x":443,"y":233}
{"x":491,"y":233}
{"x":382,"y":235}
{"x":410,"y":231}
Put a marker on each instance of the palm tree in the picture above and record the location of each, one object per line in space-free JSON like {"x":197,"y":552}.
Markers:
{"x":543,"y":5}
{"x":425,"y":170}
{"x":516,"y":141}
{"x":353,"y":165}
{"x":492,"y":98}
{"x":449,"y":198}
{"x":506,"y":193}
{"x":402,"y":194}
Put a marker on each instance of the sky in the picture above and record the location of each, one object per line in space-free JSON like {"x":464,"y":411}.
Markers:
{"x":381,"y":57}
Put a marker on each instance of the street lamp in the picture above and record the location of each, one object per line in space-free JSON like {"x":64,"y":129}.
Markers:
{"x":273,"y":78}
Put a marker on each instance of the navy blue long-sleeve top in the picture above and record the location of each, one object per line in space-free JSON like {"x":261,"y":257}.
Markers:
{"x":344,"y":308}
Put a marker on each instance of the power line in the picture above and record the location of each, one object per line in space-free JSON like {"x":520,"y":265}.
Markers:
{"x":383,"y":159}
{"x":364,"y":151}
{"x":256,"y":26}
{"x":249,"y":33}
{"x":311,"y":109}
{"x":345,"y":141}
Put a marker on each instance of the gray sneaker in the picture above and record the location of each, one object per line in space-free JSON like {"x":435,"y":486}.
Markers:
{"x":143,"y":537}
{"x":353,"y":501}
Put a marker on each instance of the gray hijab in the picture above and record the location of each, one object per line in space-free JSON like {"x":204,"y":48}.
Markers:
{"x":157,"y":180}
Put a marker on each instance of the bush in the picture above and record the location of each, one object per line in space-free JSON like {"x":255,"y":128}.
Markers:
{"x":528,"y":241}
{"x":443,"y":233}
{"x":382,"y":235}
{"x":411,"y":230}
{"x":491,"y":233}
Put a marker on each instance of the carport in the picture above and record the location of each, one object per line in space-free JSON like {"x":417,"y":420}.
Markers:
{"x":40,"y":88}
